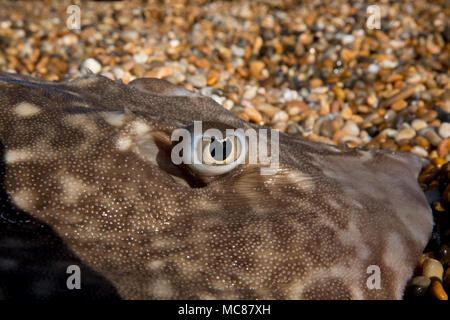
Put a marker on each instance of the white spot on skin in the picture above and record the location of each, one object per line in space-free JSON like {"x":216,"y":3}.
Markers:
{"x":123,"y":143}
{"x":352,"y":236}
{"x":115,"y":119}
{"x":147,"y":148}
{"x":302,"y":180}
{"x":13,"y":156}
{"x":73,"y":188}
{"x":161,"y":289}
{"x":140,"y":127}
{"x":83,"y":122}
{"x":394,"y":257}
{"x":155,"y":265}
{"x":342,"y":272}
{"x":26,"y":109}
{"x":24,"y":199}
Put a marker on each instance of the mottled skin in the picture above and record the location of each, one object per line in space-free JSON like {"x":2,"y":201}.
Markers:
{"x":91,"y":160}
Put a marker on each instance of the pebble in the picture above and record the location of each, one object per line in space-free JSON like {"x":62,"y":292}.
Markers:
{"x":432,"y":268}
{"x":399,"y":105}
{"x":351,"y":128}
{"x":418,"y":124}
{"x":401,"y":95}
{"x":431,"y":136}
{"x":405,"y":134}
{"x":295,"y":107}
{"x":256,"y":68}
{"x":280,"y":116}
{"x":444,"y":130}
{"x":91,"y":65}
{"x":418,"y":286}
{"x":253,"y":115}
{"x":437,"y":291}
{"x":418,"y":150}
{"x":346,"y":113}
{"x":250,"y":93}
{"x":198,"y":80}
{"x":420,"y":281}
{"x":140,"y":57}
{"x":348,"y":39}
{"x":444,"y":148}
{"x":373,"y":68}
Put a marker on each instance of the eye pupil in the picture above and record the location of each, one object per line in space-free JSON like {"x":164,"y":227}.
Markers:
{"x":225,"y":146}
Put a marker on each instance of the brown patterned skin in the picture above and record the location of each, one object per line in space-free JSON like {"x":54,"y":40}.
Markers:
{"x":91,"y":159}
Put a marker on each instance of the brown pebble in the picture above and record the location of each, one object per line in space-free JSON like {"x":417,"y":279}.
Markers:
{"x":244,"y":116}
{"x":315,"y":82}
{"x":437,"y":291}
{"x":160,"y":72}
{"x":421,"y":142}
{"x":340,"y":94}
{"x":438,"y":162}
{"x":324,"y":109}
{"x":295,"y":107}
{"x":255,"y":69}
{"x":267,"y":109}
{"x":444,"y":148}
{"x":402,"y":95}
{"x":399,"y":105}
{"x":211,"y":81}
{"x":253,"y":115}
{"x":202,"y":63}
{"x":430,"y":116}
{"x":280,"y":126}
{"x":346,"y":113}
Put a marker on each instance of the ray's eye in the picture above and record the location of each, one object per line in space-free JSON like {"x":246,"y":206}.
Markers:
{"x":212,"y":154}
{"x":218,"y":151}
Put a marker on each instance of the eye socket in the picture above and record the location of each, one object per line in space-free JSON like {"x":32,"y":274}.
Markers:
{"x":213,"y":155}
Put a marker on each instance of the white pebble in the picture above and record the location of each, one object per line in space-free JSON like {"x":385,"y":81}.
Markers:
{"x":444,"y":130}
{"x":118,"y":73}
{"x":351,"y":128}
{"x":373,"y":68}
{"x":389,"y":132}
{"x":197,"y":80}
{"x":418,"y":124}
{"x":140,"y":57}
{"x":347,"y":39}
{"x":406,"y":133}
{"x":174,"y":43}
{"x":389,"y":64}
{"x":418,"y":150}
{"x":218,"y":99}
{"x":228,"y":104}
{"x":237,"y":51}
{"x":280,"y":116}
{"x":91,"y":64}
{"x":250,"y":93}
{"x":289,"y":95}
